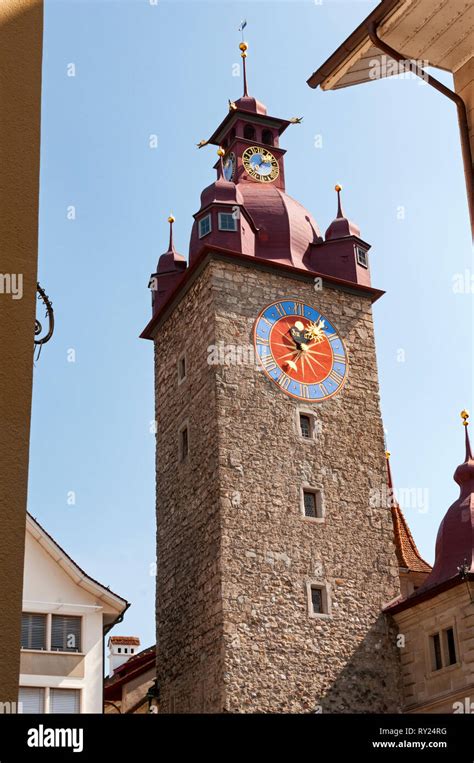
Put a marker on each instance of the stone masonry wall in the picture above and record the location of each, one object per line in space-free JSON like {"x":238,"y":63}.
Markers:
{"x":235,"y":553}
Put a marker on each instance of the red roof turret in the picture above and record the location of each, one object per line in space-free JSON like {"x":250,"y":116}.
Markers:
{"x":455,"y":539}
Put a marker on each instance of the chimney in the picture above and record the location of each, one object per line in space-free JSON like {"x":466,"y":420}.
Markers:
{"x":121,"y":648}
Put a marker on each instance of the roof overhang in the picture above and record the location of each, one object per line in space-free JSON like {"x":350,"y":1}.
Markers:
{"x":432,"y":32}
{"x":208,"y":253}
{"x":112,"y":603}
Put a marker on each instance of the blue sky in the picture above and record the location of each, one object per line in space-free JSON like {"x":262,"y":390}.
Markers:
{"x":167,"y":70}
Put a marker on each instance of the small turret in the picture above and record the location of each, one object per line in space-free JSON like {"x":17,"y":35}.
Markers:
{"x":169,"y":271}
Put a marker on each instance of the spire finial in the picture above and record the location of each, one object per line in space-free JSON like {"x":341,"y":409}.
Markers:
{"x":465,"y":422}
{"x":389,"y":471}
{"x":171,"y":221}
{"x":243,"y":48}
{"x":338,"y":189}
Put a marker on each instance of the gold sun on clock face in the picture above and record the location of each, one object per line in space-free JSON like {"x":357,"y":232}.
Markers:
{"x":260,"y":164}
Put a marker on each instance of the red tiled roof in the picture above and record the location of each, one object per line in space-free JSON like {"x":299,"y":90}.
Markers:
{"x":137,"y":665}
{"x":133,"y":640}
{"x":407,"y":552}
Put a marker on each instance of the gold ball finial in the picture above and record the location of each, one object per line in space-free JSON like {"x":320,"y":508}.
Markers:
{"x":171,"y":219}
{"x":387,"y":454}
{"x":243,"y":47}
{"x":338,"y":187}
{"x":220,"y":151}
{"x":465,"y":416}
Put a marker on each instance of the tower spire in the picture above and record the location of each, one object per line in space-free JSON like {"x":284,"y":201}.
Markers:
{"x":243,"y":48}
{"x":465,"y":422}
{"x":340,"y":213}
{"x":171,"y":244}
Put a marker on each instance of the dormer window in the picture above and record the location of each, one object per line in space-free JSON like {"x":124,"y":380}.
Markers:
{"x":205,"y":226}
{"x":362,"y":257}
{"x":249,"y":132}
{"x":267,"y":137}
{"x":227,"y":221}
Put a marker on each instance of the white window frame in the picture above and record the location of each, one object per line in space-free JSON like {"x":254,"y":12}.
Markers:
{"x":326,"y":596}
{"x":362,"y":254}
{"x":313,"y":424}
{"x":201,"y":220}
{"x":319,"y":496}
{"x":227,"y":230}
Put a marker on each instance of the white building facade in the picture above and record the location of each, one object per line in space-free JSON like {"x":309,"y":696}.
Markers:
{"x":66,"y":614}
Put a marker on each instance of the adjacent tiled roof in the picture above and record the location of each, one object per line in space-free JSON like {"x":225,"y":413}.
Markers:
{"x":137,"y":665}
{"x":407,"y":553}
{"x":133,"y":640}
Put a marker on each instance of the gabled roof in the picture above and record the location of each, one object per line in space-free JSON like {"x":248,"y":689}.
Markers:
{"x":408,"y":556}
{"x":437,"y":32}
{"x":136,"y":666}
{"x":407,"y":553}
{"x":77,"y":574}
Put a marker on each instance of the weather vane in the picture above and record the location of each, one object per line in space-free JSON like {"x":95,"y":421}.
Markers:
{"x":242,"y":26}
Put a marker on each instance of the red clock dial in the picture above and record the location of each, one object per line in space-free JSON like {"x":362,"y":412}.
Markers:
{"x":301,"y":349}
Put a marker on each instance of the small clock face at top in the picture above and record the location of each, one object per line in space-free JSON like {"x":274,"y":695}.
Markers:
{"x":229,"y":166}
{"x":260,"y":164}
{"x":300,"y":350}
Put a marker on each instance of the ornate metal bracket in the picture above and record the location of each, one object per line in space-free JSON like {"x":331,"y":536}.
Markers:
{"x":50,"y":315}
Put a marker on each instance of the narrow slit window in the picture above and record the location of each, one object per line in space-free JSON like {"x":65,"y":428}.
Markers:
{"x":182,"y":368}
{"x":450,"y":646}
{"x":183,"y":443}
{"x":309,"y":504}
{"x":437,"y":662}
{"x":305,"y":426}
{"x":312,"y":503}
{"x":317,"y":600}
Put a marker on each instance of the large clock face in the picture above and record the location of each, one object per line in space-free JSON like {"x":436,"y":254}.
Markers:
{"x":300,"y":350}
{"x":260,"y":164}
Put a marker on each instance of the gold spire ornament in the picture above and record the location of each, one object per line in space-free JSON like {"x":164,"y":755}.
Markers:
{"x":465,"y":416}
{"x":171,"y":218}
{"x":220,"y":151}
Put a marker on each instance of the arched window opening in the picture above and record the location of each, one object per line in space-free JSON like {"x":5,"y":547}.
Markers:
{"x":249,"y":132}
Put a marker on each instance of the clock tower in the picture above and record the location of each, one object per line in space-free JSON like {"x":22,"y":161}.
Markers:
{"x":275,"y":552}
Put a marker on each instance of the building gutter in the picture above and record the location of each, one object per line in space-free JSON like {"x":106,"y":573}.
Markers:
{"x":106,"y":629}
{"x":410,"y":65}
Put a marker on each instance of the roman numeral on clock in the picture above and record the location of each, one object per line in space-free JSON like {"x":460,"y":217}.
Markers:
{"x":336,"y":377}
{"x":268,"y":363}
{"x":284,"y":381}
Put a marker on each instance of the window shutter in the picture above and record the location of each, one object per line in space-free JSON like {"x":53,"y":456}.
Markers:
{"x":33,"y":631}
{"x":64,"y":701}
{"x":32,"y":700}
{"x":65,"y":634}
